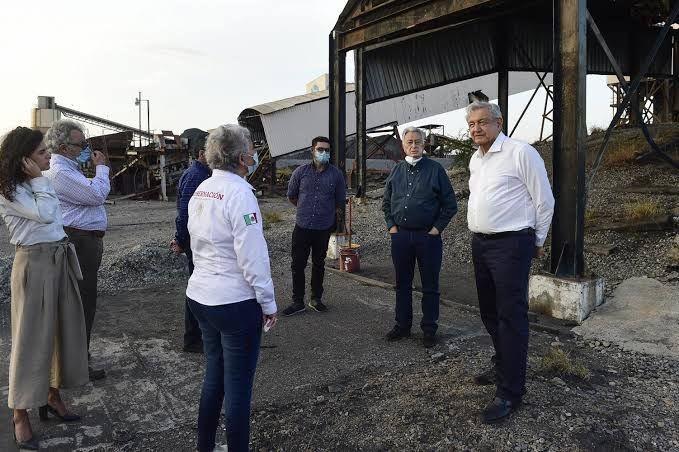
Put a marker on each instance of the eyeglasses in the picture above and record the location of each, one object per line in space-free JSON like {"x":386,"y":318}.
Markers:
{"x":480,"y":123}
{"x":81,"y":145}
{"x":414,"y":143}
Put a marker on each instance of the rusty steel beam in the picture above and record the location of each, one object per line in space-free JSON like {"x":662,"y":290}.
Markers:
{"x":338,"y":113}
{"x":417,"y":14}
{"x":361,"y":135}
{"x":570,"y":71}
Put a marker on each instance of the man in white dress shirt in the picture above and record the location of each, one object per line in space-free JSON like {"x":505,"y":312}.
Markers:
{"x":509,"y":211}
{"x":82,"y":204}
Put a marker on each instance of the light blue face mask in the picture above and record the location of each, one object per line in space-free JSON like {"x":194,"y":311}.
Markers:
{"x":253,"y":168}
{"x":322,"y":157}
{"x":84,"y":156}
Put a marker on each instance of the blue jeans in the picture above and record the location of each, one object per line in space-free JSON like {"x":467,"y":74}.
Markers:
{"x":502,"y":268}
{"x":231,"y":338}
{"x":407,"y":247}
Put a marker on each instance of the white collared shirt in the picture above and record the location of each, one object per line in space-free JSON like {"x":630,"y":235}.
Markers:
{"x":34,"y":216}
{"x":230,"y":255}
{"x":509,"y":190}
{"x":82,"y":199}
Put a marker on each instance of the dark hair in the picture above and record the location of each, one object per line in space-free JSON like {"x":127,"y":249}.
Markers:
{"x":319,"y":140}
{"x":19,"y":143}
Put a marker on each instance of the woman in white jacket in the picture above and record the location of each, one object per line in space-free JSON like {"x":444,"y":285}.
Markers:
{"x":230,"y":291}
{"x":49,"y":344}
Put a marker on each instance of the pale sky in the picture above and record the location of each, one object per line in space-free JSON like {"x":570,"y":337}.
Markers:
{"x":199,"y":62}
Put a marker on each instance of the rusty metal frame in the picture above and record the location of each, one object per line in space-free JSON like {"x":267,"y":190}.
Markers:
{"x":631,"y":89}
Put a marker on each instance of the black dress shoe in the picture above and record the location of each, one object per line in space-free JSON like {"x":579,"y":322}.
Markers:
{"x":429,"y":340}
{"x":498,"y":410}
{"x":487,"y":378}
{"x":96,"y":374}
{"x":46,"y":410}
{"x":397,"y":333}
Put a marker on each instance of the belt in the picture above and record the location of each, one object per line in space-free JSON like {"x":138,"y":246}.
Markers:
{"x":70,"y":230}
{"x":499,"y":235}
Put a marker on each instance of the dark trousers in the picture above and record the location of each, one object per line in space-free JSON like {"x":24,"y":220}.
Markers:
{"x":89,"y":248}
{"x":231,"y":337}
{"x":502,"y":268}
{"x":408,"y":247}
{"x":192,"y":335}
{"x":303,"y":242}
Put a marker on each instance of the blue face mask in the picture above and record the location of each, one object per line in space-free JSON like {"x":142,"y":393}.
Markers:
{"x":322,"y":157}
{"x":253,"y":168}
{"x":84,"y":156}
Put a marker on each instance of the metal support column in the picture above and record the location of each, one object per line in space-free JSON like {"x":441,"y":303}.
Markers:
{"x":338,"y":106}
{"x":634,"y":114}
{"x":502,"y":77}
{"x":570,"y":71}
{"x":361,"y":136}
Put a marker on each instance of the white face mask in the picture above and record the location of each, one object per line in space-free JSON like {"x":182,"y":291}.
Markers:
{"x":412,"y":160}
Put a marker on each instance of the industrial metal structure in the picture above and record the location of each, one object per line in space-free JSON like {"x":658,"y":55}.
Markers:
{"x":287,"y":125}
{"x":406,"y":46}
{"x":135,"y":170}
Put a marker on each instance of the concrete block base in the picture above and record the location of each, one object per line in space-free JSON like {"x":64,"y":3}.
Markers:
{"x":336,"y":242}
{"x":566,"y":299}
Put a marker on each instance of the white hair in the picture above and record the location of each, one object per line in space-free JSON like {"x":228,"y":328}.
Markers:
{"x":412,"y":129}
{"x":60,"y":133}
{"x":225,"y":145}
{"x":493,"y":109}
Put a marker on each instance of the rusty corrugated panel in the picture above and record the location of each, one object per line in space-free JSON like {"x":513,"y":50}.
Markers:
{"x":461,"y":53}
{"x":429,"y":61}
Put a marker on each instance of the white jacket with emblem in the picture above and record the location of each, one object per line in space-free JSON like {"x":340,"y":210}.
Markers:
{"x":230,"y":255}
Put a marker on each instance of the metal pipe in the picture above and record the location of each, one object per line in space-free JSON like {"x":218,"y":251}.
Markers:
{"x":139,"y":103}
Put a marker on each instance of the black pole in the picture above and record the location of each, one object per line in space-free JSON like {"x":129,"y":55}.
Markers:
{"x":570,"y":74}
{"x":338,"y":92}
{"x":502,"y":76}
{"x":361,"y":136}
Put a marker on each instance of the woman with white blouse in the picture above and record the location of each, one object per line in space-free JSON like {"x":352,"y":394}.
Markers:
{"x":49,"y":344}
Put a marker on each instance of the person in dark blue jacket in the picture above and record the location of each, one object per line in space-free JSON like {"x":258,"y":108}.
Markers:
{"x":189,"y":181}
{"x":418,"y":204}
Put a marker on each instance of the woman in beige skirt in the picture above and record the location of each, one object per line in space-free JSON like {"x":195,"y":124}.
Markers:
{"x":49,"y":345}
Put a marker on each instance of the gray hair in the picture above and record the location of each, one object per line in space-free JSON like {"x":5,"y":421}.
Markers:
{"x":225,"y":145}
{"x":410,"y":129}
{"x":494,"y":109}
{"x":60,"y":133}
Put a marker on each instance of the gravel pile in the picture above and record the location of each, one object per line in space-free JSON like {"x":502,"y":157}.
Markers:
{"x":142,"y":265}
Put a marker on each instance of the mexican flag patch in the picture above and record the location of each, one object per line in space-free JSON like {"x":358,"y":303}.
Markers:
{"x":250,"y":219}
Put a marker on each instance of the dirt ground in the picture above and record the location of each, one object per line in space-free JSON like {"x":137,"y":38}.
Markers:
{"x":330,"y":381}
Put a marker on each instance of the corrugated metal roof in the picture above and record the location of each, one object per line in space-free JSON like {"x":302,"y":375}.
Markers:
{"x":451,"y":55}
{"x":282,"y":104}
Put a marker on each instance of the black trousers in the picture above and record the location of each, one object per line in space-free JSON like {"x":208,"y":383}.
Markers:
{"x":502,"y":267}
{"x":303,"y":242}
{"x":89,"y":246}
{"x":192,"y":332}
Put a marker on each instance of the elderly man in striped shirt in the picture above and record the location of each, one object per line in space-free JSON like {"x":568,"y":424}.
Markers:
{"x":82,"y":204}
